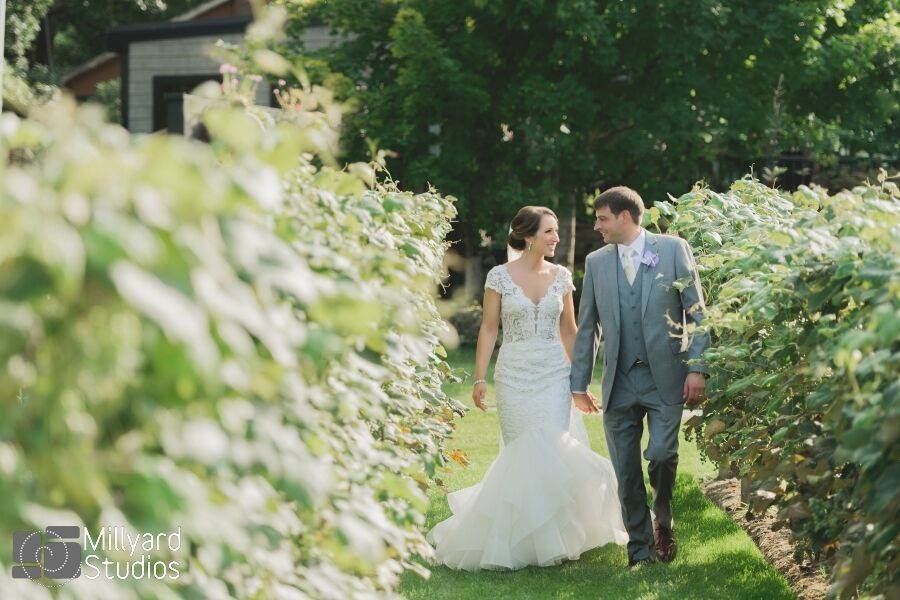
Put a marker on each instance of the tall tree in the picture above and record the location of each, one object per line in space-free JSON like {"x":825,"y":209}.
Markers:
{"x":513,"y":102}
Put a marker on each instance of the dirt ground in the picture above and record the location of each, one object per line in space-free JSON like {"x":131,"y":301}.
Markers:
{"x":805,"y":579}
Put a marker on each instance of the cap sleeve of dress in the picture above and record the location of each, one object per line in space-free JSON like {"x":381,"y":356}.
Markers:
{"x":567,"y":284}
{"x":493,"y":281}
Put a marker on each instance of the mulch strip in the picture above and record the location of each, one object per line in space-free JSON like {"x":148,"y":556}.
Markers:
{"x":805,"y":578}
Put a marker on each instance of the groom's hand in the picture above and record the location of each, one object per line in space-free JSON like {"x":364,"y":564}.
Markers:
{"x":694,"y":386}
{"x":586,"y":402}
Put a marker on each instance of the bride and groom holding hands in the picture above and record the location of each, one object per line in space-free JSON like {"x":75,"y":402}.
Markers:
{"x":548,"y":497}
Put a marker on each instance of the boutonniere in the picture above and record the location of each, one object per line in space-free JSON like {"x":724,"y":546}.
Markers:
{"x":650,"y":259}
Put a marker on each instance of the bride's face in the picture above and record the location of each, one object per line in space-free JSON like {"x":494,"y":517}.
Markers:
{"x":547,"y":237}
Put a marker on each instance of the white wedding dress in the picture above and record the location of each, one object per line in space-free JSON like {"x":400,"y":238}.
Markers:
{"x":547,"y":497}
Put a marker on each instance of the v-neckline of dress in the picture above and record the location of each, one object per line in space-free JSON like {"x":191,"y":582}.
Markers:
{"x":522,"y":290}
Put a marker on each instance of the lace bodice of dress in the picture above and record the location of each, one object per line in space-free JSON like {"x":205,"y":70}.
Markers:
{"x":521,"y":318}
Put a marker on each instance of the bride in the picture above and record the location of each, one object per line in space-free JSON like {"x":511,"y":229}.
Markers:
{"x":547,"y":497}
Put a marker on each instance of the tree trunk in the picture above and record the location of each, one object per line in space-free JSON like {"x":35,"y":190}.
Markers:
{"x":48,"y":41}
{"x":568,"y":222}
{"x":474,"y":274}
{"x":745,"y":490}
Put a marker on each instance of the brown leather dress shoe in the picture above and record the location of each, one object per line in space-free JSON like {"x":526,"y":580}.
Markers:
{"x":666,"y":547}
{"x":642,"y":562}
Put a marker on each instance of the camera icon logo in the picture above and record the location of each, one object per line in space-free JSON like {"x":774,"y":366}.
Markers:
{"x":42,"y":555}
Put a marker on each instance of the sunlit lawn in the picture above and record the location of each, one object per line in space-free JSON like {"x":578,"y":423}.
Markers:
{"x":716,"y":559}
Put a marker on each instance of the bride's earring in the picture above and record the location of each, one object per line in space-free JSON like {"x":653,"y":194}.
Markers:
{"x":530,"y":244}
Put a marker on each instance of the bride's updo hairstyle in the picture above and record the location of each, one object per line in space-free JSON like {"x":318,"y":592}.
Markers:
{"x":525,"y":224}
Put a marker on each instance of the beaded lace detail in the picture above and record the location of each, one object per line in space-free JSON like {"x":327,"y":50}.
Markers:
{"x":520,"y":316}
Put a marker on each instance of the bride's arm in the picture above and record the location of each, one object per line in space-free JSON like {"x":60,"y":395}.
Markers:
{"x":568,"y":329}
{"x":487,"y":333}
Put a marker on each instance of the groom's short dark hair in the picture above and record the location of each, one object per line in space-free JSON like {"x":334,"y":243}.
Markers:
{"x":622,"y":198}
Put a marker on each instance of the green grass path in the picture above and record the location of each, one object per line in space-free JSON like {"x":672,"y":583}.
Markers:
{"x":716,"y":559}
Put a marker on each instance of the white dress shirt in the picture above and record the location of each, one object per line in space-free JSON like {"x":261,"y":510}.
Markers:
{"x":638,"y":246}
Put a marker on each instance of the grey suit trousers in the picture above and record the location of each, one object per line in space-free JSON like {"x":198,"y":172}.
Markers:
{"x":634,"y":396}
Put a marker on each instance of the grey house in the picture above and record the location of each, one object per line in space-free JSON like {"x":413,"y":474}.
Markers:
{"x":159,"y":62}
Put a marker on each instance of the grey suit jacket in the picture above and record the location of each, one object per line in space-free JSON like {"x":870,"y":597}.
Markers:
{"x":668,"y":347}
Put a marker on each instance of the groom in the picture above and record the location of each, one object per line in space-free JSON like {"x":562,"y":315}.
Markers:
{"x":633,"y":290}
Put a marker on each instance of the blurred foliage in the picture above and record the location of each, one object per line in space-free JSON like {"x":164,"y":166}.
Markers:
{"x":109,"y":95}
{"x":239,"y":339}
{"x":803,"y":296}
{"x":23,"y":22}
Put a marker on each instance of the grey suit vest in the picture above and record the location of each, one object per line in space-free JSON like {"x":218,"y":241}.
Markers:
{"x":631,"y":337}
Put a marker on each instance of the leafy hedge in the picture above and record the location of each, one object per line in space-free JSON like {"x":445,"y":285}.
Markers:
{"x":231,"y":338}
{"x":803,"y":292}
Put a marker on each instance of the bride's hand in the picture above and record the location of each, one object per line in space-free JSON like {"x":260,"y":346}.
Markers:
{"x":478,"y":393}
{"x":586,"y":403}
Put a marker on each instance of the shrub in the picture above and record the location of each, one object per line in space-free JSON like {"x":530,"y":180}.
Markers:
{"x":231,"y":338}
{"x":803,"y":295}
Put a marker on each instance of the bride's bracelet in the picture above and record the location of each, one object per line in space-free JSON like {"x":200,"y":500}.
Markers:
{"x":477,"y":381}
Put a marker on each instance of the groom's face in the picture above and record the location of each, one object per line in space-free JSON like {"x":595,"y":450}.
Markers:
{"x":612,"y":227}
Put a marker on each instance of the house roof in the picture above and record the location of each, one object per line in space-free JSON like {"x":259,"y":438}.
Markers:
{"x":200,"y":10}
{"x":121,"y":35}
{"x":118,"y":38}
{"x":87,"y":66}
